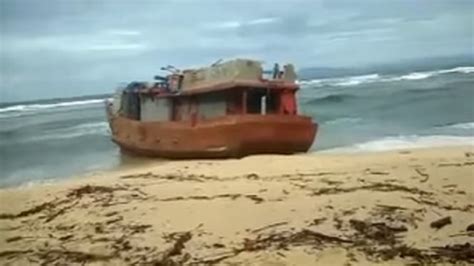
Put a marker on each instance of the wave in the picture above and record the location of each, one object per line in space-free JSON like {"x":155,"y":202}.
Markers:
{"x":95,"y":128}
{"x":333,"y":98}
{"x":427,"y":74}
{"x":38,"y":107}
{"x":345,"y":81}
{"x":407,"y":142}
{"x":467,"y":126}
{"x":353,"y":81}
{"x":343,"y":120}
{"x":412,"y":76}
{"x":373,"y":78}
{"x":464,"y":70}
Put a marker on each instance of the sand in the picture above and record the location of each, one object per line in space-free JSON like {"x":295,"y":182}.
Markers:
{"x":389,"y":208}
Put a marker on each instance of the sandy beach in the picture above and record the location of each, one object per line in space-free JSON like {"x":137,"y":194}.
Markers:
{"x":398,"y":207}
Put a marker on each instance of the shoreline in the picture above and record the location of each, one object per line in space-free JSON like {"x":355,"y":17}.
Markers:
{"x":144,"y":163}
{"x":357,"y":208}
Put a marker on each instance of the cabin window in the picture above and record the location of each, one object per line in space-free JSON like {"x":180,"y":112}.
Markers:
{"x":272,"y":102}
{"x":212,"y":105}
{"x":234,"y":102}
{"x":182,"y":108}
{"x":130,"y":106}
{"x":263,"y":102}
{"x":154,"y":109}
{"x":254,"y":102}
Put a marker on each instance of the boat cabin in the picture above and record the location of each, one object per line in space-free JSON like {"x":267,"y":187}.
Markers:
{"x":227,"y":110}
{"x":235,"y":88}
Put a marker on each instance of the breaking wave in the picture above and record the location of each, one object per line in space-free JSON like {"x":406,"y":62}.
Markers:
{"x":407,"y":142}
{"x":353,"y":81}
{"x":346,"y":81}
{"x":28,"y":108}
{"x":373,"y":78}
{"x":467,"y":126}
{"x":412,"y":76}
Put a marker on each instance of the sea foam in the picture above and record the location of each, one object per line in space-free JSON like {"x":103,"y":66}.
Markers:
{"x":406,"y":142}
{"x":16,"y":110}
{"x":372,"y":78}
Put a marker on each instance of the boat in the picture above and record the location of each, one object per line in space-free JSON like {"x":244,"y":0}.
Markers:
{"x":229,"y":109}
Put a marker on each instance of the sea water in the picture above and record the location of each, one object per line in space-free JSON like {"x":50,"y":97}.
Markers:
{"x":58,"y":138}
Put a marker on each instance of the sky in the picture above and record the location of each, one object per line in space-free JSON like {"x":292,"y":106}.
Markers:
{"x":77,"y":47}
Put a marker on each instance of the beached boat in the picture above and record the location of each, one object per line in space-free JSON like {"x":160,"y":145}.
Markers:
{"x":229,"y":109}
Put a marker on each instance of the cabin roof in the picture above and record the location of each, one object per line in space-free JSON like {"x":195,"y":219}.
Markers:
{"x":222,"y":86}
{"x":233,"y":84}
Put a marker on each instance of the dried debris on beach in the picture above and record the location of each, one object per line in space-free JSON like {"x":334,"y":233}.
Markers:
{"x":388,"y":212}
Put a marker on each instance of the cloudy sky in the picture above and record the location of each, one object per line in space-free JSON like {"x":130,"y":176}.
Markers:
{"x":64,"y":48}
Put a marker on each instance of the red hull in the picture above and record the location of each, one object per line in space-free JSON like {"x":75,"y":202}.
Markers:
{"x":232,"y":136}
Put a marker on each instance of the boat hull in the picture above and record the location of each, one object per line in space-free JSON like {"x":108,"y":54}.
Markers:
{"x":232,"y":136}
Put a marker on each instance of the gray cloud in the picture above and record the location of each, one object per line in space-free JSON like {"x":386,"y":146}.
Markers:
{"x":64,"y":48}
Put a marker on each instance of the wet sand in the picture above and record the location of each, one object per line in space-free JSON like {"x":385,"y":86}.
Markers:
{"x":400,"y":207}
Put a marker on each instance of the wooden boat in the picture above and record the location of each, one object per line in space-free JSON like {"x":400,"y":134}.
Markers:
{"x":228,"y":110}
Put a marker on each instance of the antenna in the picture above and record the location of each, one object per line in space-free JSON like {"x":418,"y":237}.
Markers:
{"x":170,"y":68}
{"x":217,"y":62}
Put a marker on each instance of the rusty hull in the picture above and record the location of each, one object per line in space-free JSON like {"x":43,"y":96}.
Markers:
{"x":231,"y":136}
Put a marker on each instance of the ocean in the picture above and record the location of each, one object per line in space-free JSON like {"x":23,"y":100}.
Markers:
{"x":46,"y":140}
